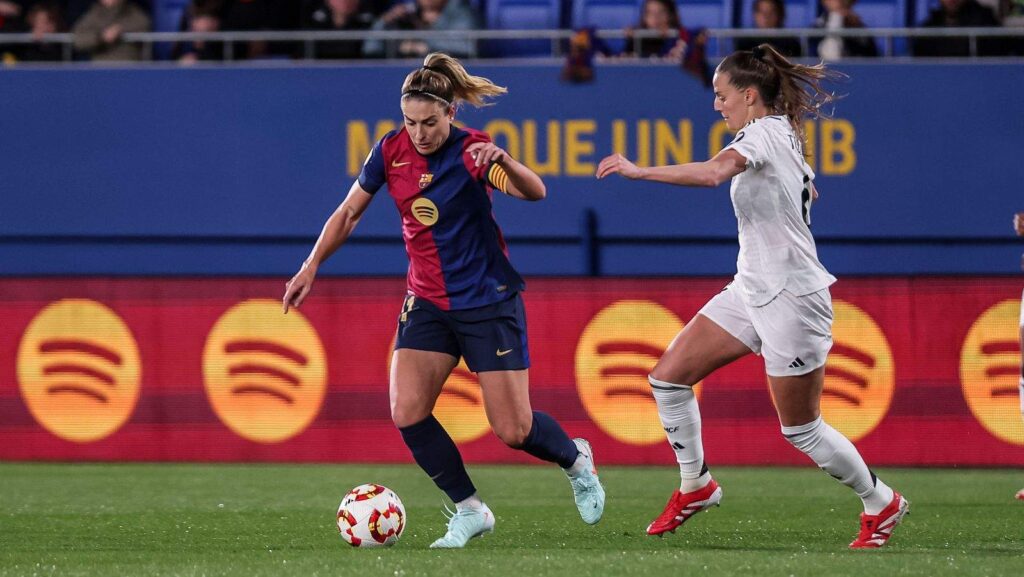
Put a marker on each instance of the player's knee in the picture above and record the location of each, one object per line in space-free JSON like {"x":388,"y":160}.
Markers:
{"x":405,"y":413}
{"x":513,"y":434}
{"x":680,"y":376}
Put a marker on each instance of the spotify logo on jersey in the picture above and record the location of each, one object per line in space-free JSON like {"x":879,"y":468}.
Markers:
{"x":616,"y":352}
{"x":989,"y":371}
{"x":860,"y":375}
{"x":79,"y":370}
{"x":265,"y":373}
{"x":425,"y":211}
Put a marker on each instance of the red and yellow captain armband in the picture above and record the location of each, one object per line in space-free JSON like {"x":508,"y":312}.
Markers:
{"x":498,"y":178}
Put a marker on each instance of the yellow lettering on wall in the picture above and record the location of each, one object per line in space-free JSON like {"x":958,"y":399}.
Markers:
{"x":576,"y":147}
{"x":666,"y":143}
{"x":643,"y":143}
{"x":619,"y":137}
{"x":357,"y":137}
{"x":505,"y":134}
{"x":716,"y":138}
{"x":552,"y":165}
{"x":837,"y":155}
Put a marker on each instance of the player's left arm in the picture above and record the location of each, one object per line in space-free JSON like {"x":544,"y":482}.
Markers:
{"x":506,"y":173}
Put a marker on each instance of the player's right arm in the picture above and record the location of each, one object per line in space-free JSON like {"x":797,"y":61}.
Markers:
{"x":710,"y":173}
{"x":336,"y":231}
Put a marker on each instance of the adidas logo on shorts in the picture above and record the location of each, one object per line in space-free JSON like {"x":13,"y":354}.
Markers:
{"x":796,"y":364}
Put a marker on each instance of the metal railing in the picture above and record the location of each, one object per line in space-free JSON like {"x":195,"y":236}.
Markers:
{"x":558,"y":39}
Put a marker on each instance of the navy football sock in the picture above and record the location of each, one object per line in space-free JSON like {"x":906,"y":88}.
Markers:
{"x":547,"y":441}
{"x":437,"y":455}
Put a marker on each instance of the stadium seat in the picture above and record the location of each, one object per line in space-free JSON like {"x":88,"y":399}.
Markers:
{"x":607,"y":14}
{"x":884,"y":14}
{"x":920,"y":11}
{"x":167,"y":16}
{"x":707,"y":14}
{"x":522,"y":15}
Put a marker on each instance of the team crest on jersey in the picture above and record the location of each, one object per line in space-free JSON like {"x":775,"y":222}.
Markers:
{"x":424,"y":211}
{"x":426,"y":179}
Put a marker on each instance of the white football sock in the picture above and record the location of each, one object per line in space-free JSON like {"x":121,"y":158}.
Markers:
{"x":837,"y":456}
{"x":680,"y":417}
{"x":471,"y":502}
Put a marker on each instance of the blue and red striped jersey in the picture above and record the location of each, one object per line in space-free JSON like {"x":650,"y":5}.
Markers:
{"x":457,"y":255}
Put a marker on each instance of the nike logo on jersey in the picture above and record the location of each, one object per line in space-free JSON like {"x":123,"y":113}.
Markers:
{"x":396,"y":164}
{"x":502,"y":353}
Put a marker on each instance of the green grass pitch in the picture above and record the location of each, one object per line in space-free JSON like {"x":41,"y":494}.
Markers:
{"x":187,"y":519}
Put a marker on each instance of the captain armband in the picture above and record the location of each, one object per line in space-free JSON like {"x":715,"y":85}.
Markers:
{"x":498,"y":178}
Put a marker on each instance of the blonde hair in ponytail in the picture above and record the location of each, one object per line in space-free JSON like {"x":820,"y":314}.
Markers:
{"x":785,"y":87}
{"x":444,"y":79}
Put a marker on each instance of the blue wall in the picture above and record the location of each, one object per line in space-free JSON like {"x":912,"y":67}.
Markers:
{"x":232,"y":171}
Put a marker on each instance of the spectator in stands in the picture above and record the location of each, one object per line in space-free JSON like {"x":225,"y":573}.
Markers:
{"x":200,"y":17}
{"x":771,"y":15}
{"x":953,"y":14}
{"x":100,"y":31}
{"x":328,"y":15}
{"x":12,"y":20}
{"x":839,"y":15}
{"x":426,"y":15}
{"x":43,"y":18}
{"x":674,"y":42}
{"x":12,"y":15}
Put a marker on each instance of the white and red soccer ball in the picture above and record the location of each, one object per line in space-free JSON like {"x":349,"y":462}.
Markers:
{"x":371,"y":516}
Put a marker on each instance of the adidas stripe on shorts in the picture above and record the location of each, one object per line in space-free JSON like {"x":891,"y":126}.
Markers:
{"x":792,"y":333}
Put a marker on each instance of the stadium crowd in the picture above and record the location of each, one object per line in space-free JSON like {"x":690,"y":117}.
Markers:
{"x":98,"y":27}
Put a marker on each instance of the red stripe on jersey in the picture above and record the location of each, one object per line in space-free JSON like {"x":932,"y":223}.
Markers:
{"x":406,"y":168}
{"x":426,"y":279}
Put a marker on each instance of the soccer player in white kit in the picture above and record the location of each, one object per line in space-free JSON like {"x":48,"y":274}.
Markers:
{"x":778,"y":304}
{"x":1018,"y":225}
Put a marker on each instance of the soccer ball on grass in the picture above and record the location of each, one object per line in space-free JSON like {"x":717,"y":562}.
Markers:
{"x":371,"y":515}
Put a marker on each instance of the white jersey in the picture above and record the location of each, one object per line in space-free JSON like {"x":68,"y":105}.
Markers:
{"x":772,"y":201}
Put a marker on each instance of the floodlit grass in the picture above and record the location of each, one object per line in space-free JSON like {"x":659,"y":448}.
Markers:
{"x":187,"y":519}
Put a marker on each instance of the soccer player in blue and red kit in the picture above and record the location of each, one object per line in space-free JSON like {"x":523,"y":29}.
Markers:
{"x":463,"y":293}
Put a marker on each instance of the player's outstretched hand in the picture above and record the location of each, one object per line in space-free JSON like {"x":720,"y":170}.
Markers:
{"x":484,"y":153}
{"x":1018,"y":223}
{"x":617,"y":164}
{"x":296,"y":290}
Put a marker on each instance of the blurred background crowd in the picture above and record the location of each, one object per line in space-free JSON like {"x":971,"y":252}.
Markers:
{"x":673,"y":30}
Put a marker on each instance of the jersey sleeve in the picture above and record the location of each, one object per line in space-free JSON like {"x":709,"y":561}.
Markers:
{"x":372,"y":176}
{"x":808,"y":170}
{"x":752,"y":143}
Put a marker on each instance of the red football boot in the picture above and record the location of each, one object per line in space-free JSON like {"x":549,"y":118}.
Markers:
{"x":1020,"y":495}
{"x":875,"y":530}
{"x":682,"y":506}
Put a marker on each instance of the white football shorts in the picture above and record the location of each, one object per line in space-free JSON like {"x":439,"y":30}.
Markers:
{"x":793,"y":334}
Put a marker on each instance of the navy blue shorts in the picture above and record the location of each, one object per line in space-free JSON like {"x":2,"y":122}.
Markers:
{"x":491,"y":338}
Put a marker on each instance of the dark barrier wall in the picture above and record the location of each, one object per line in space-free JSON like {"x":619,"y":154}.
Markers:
{"x":232,"y":171}
{"x":163,"y":369}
